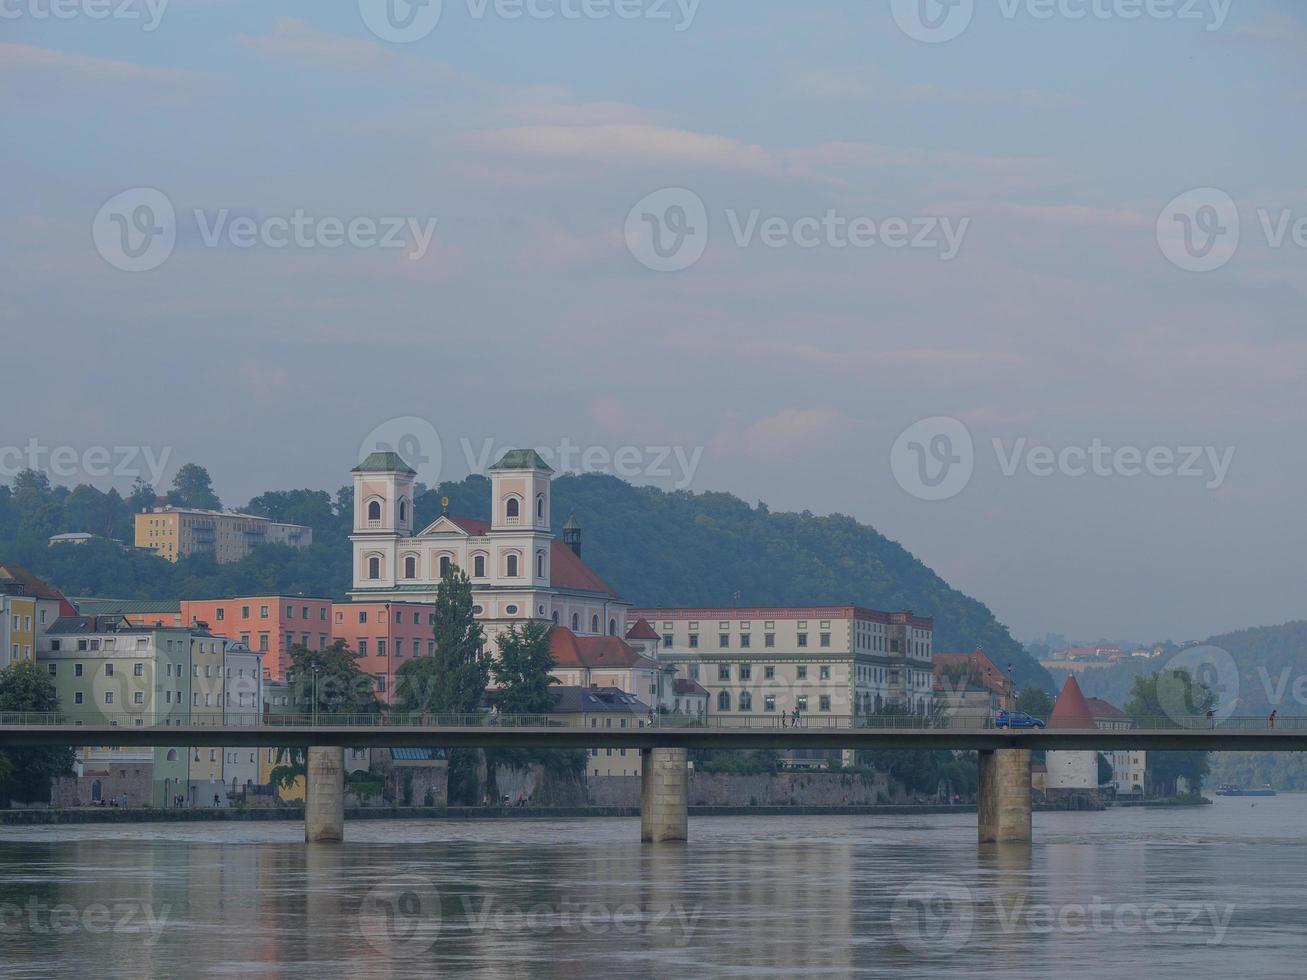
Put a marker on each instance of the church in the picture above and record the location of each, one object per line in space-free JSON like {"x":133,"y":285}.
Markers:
{"x":519,"y":570}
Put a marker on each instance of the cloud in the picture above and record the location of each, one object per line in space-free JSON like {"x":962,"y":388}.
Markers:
{"x":790,"y":430}
{"x":24,"y":58}
{"x":1278,"y":30}
{"x":633,"y":144}
{"x":295,"y":41}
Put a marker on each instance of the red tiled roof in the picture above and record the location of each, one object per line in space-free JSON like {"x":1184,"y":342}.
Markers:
{"x":570,"y":650}
{"x":1104,"y":709}
{"x":642,"y":631}
{"x":567,"y":570}
{"x":991,"y":675}
{"x":1071,"y":710}
{"x":39,"y":588}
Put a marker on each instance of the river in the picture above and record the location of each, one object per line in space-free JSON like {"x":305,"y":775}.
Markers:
{"x":1150,"y":893}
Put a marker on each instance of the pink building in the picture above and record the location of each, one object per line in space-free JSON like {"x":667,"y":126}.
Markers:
{"x":385,"y":635}
{"x":269,"y":624}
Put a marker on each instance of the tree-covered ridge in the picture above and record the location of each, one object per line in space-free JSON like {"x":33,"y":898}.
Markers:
{"x":655,"y":548}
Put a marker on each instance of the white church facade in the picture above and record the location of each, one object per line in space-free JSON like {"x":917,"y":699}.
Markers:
{"x":518,"y":569}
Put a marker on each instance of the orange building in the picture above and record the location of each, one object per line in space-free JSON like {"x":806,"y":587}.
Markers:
{"x":385,"y":635}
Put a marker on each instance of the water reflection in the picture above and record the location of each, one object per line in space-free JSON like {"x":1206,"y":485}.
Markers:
{"x":1162,"y":894}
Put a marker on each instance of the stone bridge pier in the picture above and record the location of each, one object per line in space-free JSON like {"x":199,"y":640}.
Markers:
{"x":324,"y":794}
{"x":1003,"y":796}
{"x":664,"y":795}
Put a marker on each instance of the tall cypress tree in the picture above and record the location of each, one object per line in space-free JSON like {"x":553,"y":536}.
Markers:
{"x":461,"y":673}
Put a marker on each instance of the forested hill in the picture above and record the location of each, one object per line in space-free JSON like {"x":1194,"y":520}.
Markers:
{"x":654,"y":547}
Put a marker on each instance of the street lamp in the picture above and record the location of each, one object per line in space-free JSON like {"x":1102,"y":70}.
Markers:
{"x":315,"y":697}
{"x":1011,"y":690}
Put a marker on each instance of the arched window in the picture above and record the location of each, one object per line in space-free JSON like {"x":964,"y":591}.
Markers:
{"x":445,"y":565}
{"x":612,"y":627}
{"x":555,"y":617}
{"x":374,"y":567}
{"x":403,"y":511}
{"x":172,"y":755}
{"x":513,"y":508}
{"x":540,"y":507}
{"x":510,"y":566}
{"x":594,"y":624}
{"x":746,"y":701}
{"x":374,"y":510}
{"x":479,"y":566}
{"x":576,"y":622}
{"x":410,"y":566}
{"x":540,"y":564}
{"x":724,"y":701}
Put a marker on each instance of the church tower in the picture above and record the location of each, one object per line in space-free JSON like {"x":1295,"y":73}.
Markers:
{"x":383,"y":514}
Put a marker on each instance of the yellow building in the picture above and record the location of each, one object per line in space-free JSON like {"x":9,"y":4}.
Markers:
{"x":18,"y":633}
{"x":173,"y":532}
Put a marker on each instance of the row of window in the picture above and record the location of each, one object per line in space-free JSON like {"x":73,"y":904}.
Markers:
{"x":512,"y":566}
{"x":745,"y":702}
{"x":745,"y":640}
{"x":745,"y":672}
{"x":264,"y":612}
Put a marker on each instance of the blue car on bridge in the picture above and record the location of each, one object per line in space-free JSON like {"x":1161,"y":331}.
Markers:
{"x":1017,"y":719}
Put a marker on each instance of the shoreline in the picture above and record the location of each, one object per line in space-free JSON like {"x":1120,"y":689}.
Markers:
{"x":118,"y":815}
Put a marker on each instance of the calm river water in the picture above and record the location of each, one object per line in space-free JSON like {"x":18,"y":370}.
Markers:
{"x":1127,"y":893}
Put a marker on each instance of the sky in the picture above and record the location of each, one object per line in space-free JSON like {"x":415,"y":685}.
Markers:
{"x":1019,"y":283}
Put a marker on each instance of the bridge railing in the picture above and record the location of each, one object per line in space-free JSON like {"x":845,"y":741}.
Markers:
{"x":601,"y":721}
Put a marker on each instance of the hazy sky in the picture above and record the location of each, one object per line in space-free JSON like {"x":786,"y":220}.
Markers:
{"x":872,"y":222}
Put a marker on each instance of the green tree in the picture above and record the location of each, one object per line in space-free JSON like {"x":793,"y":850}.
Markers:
{"x":1036,"y":702}
{"x":27,"y":773}
{"x":332,"y":681}
{"x":460,"y":673}
{"x":192,"y":487}
{"x":523,"y":670}
{"x":1153,"y":701}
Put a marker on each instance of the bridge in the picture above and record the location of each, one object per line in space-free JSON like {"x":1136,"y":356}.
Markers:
{"x":1003,"y":756}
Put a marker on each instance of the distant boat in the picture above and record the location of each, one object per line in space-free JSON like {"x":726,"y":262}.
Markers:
{"x":1230,"y":790}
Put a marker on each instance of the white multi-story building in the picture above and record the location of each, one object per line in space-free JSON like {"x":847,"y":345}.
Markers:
{"x":1129,"y":766}
{"x":822,"y":660}
{"x":519,"y":571}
